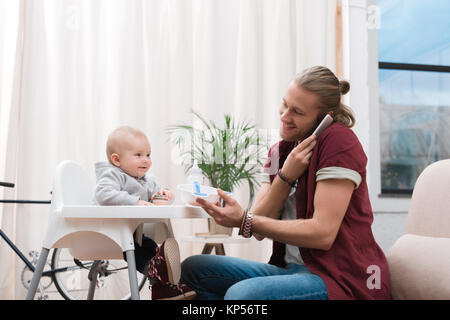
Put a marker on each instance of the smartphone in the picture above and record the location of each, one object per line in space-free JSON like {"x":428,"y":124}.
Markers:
{"x":326,"y":121}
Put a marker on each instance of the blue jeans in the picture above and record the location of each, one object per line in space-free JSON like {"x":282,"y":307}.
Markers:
{"x":221,"y":277}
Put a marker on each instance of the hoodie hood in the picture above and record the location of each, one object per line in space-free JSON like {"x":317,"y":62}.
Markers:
{"x":102,"y":167}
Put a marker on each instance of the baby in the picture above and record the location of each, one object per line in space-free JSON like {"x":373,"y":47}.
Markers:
{"x":124,"y":181}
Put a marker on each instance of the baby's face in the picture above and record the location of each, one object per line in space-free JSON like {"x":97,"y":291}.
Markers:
{"x":135,"y":157}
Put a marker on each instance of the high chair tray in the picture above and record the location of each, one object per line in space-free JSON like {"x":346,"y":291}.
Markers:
{"x":131,"y":212}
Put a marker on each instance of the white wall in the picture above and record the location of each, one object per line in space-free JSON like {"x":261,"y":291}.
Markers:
{"x":387,"y":228}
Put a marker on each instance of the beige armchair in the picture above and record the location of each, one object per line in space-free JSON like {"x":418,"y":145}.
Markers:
{"x":419,"y":261}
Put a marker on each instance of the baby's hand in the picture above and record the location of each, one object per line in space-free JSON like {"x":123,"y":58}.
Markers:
{"x":166,"y":193}
{"x":144,"y":203}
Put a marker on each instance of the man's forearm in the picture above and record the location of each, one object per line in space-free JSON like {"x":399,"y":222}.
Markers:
{"x":272,"y":200}
{"x":301,"y":233}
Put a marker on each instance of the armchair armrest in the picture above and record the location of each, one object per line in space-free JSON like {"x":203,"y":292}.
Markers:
{"x":419,"y":267}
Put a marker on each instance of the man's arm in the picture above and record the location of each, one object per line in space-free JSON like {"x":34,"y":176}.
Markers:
{"x":331,"y":201}
{"x":272,"y":200}
{"x":260,"y":195}
{"x":262,"y":192}
{"x":296,"y":164}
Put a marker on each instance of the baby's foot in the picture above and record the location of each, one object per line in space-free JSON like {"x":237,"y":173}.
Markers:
{"x":164,"y":272}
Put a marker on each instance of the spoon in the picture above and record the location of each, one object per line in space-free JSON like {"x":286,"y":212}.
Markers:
{"x":197,"y":190}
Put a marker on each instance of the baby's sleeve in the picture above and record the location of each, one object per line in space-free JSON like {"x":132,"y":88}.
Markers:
{"x":108,"y":191}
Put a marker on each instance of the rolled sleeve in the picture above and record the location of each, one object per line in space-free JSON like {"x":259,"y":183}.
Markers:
{"x":339,"y":173}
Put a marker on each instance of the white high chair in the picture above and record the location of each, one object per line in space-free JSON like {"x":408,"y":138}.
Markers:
{"x":96,"y":232}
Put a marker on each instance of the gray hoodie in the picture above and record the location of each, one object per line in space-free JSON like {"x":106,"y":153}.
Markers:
{"x":116,"y":188}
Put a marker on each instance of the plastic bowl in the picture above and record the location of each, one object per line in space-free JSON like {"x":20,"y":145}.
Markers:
{"x":186,"y":193}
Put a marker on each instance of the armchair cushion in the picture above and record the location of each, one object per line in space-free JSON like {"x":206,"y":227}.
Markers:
{"x":419,"y":267}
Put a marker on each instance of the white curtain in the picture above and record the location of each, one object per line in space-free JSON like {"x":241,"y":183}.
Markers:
{"x":77,"y":69}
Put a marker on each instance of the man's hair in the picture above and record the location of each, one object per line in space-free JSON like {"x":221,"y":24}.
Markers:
{"x":323,"y":82}
{"x":119,"y":138}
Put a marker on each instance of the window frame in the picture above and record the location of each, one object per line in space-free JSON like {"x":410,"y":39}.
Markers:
{"x":384,"y":65}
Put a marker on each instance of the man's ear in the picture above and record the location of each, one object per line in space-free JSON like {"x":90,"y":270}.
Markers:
{"x":115,"y":159}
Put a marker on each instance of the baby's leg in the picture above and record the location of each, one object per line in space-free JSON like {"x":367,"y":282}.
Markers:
{"x":143,"y":254}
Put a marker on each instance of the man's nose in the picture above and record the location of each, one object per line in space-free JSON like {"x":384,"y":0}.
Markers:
{"x":284,"y":115}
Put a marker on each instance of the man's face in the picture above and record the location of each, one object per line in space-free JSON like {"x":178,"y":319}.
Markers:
{"x":135,"y":157}
{"x":299,"y":113}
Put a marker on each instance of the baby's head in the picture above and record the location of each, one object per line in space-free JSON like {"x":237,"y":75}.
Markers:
{"x":128,"y":149}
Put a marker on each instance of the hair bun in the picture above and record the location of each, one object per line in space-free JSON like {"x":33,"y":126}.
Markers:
{"x":344,"y":86}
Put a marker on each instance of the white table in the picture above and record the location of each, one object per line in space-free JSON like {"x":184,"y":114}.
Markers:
{"x":215,"y":241}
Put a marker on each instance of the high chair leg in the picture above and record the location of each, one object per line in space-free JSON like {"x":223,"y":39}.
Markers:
{"x":93,"y":274}
{"x":37,"y":274}
{"x":132,"y":275}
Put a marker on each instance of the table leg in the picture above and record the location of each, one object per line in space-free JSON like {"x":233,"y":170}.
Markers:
{"x":220,"y":250}
{"x":207,"y":248}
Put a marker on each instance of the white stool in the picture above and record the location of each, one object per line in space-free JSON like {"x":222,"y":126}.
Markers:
{"x":214,"y":241}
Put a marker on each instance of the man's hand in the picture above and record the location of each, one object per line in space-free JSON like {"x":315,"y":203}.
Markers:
{"x":228,"y":216}
{"x":298,"y":159}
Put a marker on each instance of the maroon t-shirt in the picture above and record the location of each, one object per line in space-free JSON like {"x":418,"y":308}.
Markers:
{"x":354,"y":267}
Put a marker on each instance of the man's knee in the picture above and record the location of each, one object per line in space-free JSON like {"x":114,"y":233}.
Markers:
{"x":242,"y":290}
{"x":189,"y":265}
{"x":194,"y":267}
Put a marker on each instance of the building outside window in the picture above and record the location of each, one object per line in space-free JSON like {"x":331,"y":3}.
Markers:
{"x":414,"y":89}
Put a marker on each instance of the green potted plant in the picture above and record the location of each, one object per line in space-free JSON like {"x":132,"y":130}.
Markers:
{"x":228,"y":155}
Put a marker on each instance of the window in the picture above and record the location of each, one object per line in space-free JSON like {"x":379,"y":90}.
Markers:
{"x":414,"y":88}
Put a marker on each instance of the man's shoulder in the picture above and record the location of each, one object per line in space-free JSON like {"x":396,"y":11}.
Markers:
{"x":337,"y":129}
{"x":341,"y":140}
{"x":338,"y":136}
